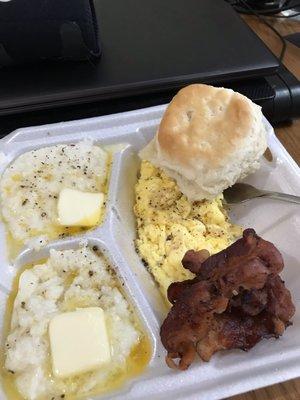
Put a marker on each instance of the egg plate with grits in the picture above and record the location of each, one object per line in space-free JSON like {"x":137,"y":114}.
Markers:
{"x":146,"y":218}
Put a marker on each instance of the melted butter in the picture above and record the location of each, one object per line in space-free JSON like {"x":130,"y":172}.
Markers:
{"x":91,"y":220}
{"x":115,"y":148}
{"x":13,"y":246}
{"x":16,"y":177}
{"x":7,"y":378}
{"x":55,"y":230}
{"x":136,"y":363}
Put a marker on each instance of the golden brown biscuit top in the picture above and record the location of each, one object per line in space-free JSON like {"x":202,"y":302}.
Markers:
{"x":204,"y":122}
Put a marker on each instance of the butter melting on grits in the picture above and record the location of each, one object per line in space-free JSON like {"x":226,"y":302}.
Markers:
{"x":66,"y":281}
{"x":30,"y":186}
{"x":168,"y":225}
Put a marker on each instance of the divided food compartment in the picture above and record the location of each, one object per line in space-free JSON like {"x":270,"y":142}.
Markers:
{"x":228,"y":372}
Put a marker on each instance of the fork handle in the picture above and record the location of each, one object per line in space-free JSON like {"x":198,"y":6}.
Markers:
{"x":282,"y":196}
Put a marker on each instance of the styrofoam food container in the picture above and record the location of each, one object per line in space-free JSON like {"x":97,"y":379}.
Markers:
{"x":228,"y":372}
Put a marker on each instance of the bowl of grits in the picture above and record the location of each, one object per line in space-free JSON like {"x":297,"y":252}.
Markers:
{"x":42,"y":187}
{"x":70,"y":329}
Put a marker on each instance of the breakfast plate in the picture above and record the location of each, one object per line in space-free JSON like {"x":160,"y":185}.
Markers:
{"x":227,"y":373}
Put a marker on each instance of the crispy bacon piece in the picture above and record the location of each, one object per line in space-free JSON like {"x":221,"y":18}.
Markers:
{"x":236,"y":299}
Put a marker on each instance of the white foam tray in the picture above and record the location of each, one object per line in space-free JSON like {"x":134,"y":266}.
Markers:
{"x":228,"y":372}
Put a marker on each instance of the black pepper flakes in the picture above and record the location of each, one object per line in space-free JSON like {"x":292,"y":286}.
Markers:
{"x":24,"y":202}
{"x":95,"y":248}
{"x":23,"y":304}
{"x":91,"y":273}
{"x":145,"y":262}
{"x":43,"y":214}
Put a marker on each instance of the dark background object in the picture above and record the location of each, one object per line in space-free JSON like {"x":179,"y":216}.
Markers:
{"x":266,"y":4}
{"x":277,"y":94}
{"x":294,"y":38}
{"x":269,"y":8}
{"x":148,"y":46}
{"x":265,"y":7}
{"x":37,"y":30}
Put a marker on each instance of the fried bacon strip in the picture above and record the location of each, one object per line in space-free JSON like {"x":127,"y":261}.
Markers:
{"x":236,"y":299}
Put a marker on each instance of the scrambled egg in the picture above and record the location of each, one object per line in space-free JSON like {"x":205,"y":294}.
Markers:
{"x":168,"y":225}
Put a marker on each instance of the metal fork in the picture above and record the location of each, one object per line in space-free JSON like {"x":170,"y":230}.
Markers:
{"x":241,"y":192}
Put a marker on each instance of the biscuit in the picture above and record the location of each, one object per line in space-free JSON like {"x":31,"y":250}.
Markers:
{"x":208,"y":138}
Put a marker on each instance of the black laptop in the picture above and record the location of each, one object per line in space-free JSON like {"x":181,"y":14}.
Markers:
{"x":148,"y":46}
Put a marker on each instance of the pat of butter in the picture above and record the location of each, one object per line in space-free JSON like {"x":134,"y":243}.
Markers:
{"x":76,"y":208}
{"x":78,"y":341}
